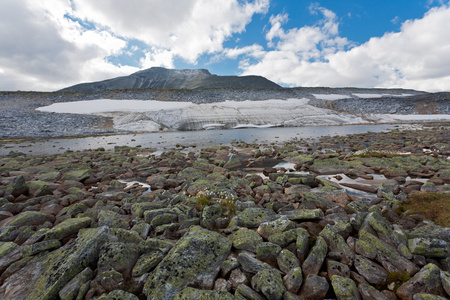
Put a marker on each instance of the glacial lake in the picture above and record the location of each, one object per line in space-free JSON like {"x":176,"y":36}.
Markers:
{"x":167,"y":140}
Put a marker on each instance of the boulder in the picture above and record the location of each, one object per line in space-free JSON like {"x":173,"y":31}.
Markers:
{"x":269,"y":283}
{"x":194,"y":294}
{"x":44,"y":276}
{"x":195,"y":259}
{"x":316,"y":257}
{"x":337,"y":244}
{"x":314,"y":287}
{"x":344,"y":288}
{"x":246,"y":239}
{"x":427,"y":280}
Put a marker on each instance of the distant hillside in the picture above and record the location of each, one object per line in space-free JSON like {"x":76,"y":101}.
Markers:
{"x":161,"y":78}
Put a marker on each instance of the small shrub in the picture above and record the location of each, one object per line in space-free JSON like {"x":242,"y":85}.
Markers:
{"x":432,"y":206}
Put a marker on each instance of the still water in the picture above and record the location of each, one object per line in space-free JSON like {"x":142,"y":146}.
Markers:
{"x":167,"y":140}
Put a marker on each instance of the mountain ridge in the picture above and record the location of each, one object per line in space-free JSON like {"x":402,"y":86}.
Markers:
{"x":162,"y":78}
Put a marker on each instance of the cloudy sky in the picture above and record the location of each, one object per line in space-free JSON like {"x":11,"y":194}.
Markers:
{"x":48,"y":45}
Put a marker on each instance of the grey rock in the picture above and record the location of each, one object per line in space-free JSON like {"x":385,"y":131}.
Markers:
{"x":368,"y":292}
{"x":287,"y":261}
{"x":344,"y":288}
{"x":316,"y":257}
{"x":72,"y":288}
{"x":246,"y":239}
{"x":293,"y":280}
{"x":314,"y":287}
{"x":196,"y":258}
{"x":427,"y":280}
{"x":250,"y":264}
{"x":371,"y":271}
{"x":269,"y":283}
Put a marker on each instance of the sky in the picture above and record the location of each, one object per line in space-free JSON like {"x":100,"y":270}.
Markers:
{"x":48,"y":45}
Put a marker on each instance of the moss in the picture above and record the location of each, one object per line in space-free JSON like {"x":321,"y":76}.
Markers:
{"x":432,"y":206}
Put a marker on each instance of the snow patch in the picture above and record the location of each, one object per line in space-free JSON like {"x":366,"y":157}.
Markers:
{"x":331,"y":97}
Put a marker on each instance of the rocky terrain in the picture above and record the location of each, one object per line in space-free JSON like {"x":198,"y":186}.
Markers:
{"x":335,"y":221}
{"x":161,"y":78}
{"x":19,"y":117}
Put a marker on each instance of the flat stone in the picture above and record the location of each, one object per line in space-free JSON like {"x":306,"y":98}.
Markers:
{"x":9,"y":253}
{"x":304,"y":214}
{"x":293,"y":280}
{"x":146,"y":263}
{"x":39,"y":247}
{"x":195,"y":259}
{"x":67,"y":228}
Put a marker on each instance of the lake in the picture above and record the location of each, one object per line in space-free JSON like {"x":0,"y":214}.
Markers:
{"x":167,"y":140}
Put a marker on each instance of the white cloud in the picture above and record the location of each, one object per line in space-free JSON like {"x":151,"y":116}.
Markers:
{"x":417,"y":57}
{"x":51,"y":44}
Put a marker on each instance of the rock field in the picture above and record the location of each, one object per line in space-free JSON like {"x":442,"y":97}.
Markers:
{"x":225,"y":222}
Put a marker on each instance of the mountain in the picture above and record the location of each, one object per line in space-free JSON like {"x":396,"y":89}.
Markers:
{"x":161,"y":78}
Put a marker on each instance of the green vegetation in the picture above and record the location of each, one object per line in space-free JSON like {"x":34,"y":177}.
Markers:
{"x":432,"y":206}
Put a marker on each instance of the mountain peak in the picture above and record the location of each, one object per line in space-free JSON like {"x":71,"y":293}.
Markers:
{"x":162,"y":78}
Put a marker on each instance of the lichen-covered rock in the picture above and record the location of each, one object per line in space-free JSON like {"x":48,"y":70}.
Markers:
{"x":146,"y":263}
{"x":41,"y":247}
{"x":314,"y":287}
{"x":285,"y":238}
{"x":244,"y":292}
{"x":118,"y":295}
{"x":304,"y":214}
{"x":17,"y":187}
{"x":423,"y":296}
{"x":44,"y":276}
{"x":9,"y":253}
{"x":380,"y":225}
{"x":246,"y":239}
{"x":67,"y":227}
{"x":372,"y":247}
{"x":316,"y":257}
{"x":427,"y":247}
{"x":371,"y":271}
{"x":111,"y":219}
{"x":125,"y":235}
{"x":280,"y":225}
{"x":337,"y":244}
{"x":269,"y":283}
{"x":77,"y":175}
{"x":287,"y":261}
{"x":30,"y":218}
{"x":194,"y":294}
{"x":196,"y":258}
{"x":369,"y":292}
{"x":250,"y":264}
{"x":293,"y":280}
{"x":344,"y":288}
{"x":312,"y":201}
{"x":302,"y":243}
{"x":72,"y":288}
{"x":154,"y":244}
{"x":427,"y":280}
{"x":118,"y":256}
{"x":337,"y":268}
{"x":267,"y":251}
{"x":445,"y":280}
{"x":252,"y":217}
{"x":209,"y":216}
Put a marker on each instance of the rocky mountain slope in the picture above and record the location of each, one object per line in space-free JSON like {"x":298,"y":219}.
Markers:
{"x":161,"y":78}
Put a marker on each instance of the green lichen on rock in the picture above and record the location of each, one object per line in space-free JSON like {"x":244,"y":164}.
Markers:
{"x":196,"y":258}
{"x":430,"y":247}
{"x":252,"y":217}
{"x":246,"y":239}
{"x":72,"y":288}
{"x":316,"y":257}
{"x":30,"y":218}
{"x":344,"y":288}
{"x":77,"y":175}
{"x":194,"y":294}
{"x":146,"y":263}
{"x":267,"y":251}
{"x":337,"y":244}
{"x":111,"y":219}
{"x":56,"y":268}
{"x":118,"y":295}
{"x":269,"y":283}
{"x":68,"y":227}
{"x":41,"y":247}
{"x":280,"y":225}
